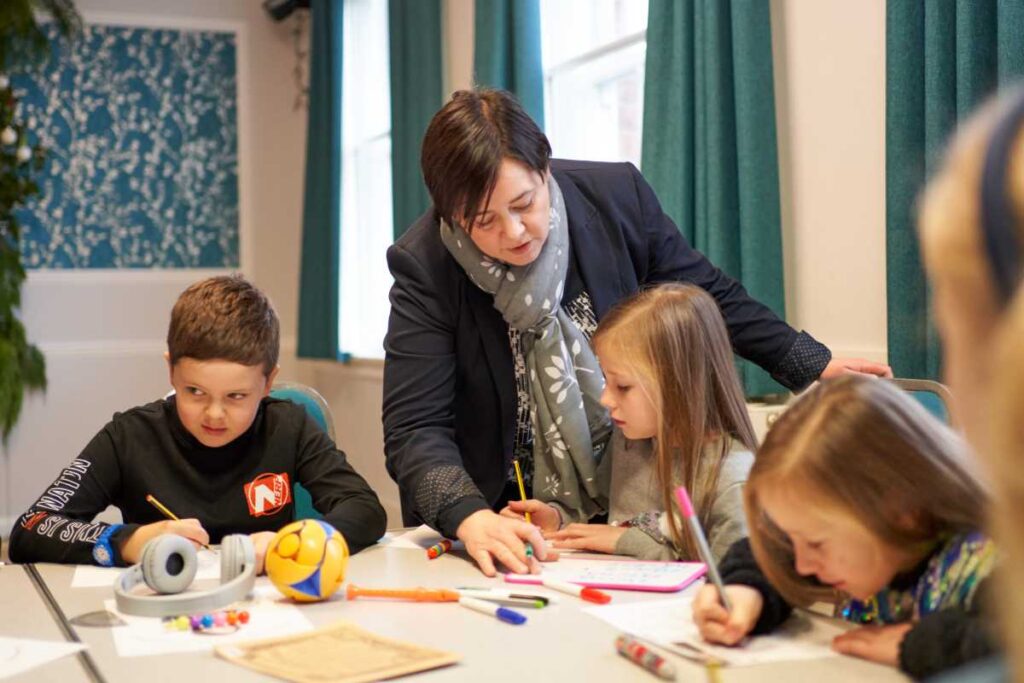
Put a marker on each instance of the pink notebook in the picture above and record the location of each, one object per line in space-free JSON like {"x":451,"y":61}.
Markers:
{"x":626,"y":575}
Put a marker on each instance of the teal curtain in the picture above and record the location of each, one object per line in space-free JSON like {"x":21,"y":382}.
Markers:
{"x":943,"y":58}
{"x":709,"y":146}
{"x":417,"y":92}
{"x":507,"y":53}
{"x":321,"y":215}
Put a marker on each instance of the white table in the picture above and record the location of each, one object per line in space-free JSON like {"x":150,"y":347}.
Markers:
{"x":559,"y":643}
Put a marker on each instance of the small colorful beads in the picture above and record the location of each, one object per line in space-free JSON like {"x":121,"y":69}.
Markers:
{"x":213,"y":623}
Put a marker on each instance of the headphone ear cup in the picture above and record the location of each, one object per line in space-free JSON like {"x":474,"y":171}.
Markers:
{"x":236,"y":552}
{"x":169,"y":564}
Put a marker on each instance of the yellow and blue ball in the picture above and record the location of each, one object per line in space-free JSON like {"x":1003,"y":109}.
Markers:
{"x":306,"y":560}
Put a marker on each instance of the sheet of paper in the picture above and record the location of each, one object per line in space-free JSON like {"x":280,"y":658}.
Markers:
{"x":342,"y":652}
{"x":18,"y":655}
{"x":667,"y":622}
{"x":88,"y":576}
{"x":269,"y":615}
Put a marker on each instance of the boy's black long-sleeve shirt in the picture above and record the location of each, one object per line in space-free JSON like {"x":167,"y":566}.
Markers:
{"x":242,"y":487}
{"x":939,"y":641}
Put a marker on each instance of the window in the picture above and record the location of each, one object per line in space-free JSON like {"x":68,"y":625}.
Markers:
{"x":366,"y":231}
{"x":594,"y":77}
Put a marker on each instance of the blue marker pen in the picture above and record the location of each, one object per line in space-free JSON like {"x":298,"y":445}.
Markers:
{"x":503,"y":613}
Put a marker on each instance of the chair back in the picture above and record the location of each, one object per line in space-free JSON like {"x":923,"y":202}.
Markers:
{"x":310,"y":399}
{"x":934,"y":396}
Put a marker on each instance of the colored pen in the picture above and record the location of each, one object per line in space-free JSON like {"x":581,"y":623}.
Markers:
{"x":502,"y":613}
{"x":506,"y":598}
{"x":588,"y":594}
{"x":505,"y":593}
{"x":415,"y":594}
{"x":439,"y":549}
{"x":638,"y":653}
{"x":151,"y":499}
{"x":686,"y":508}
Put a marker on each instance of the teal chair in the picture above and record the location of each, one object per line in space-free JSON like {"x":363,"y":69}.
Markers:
{"x":934,"y":396}
{"x":317,"y":407}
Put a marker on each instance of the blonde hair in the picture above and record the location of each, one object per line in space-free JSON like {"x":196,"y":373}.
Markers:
{"x":868,"y":450}
{"x":674,"y":339}
{"x":952,"y":244}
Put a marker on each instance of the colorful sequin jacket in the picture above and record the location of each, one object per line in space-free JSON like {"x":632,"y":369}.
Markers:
{"x":945,"y":595}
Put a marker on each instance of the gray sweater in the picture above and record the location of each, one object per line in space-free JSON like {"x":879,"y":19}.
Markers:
{"x":629,"y":473}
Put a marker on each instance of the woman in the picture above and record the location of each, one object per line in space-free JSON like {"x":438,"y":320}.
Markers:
{"x":497,"y":291}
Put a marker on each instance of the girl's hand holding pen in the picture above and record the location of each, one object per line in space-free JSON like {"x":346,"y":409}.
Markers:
{"x":542,"y":515}
{"x":720,"y":626}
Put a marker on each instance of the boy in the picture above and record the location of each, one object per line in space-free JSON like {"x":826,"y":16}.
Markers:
{"x":218,"y":451}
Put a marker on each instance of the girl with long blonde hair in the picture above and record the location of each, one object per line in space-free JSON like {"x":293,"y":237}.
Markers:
{"x":673,"y":393}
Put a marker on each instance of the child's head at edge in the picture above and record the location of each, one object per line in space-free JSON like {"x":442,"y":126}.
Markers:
{"x":670,"y":376}
{"x":853,"y":485}
{"x":222,"y":350}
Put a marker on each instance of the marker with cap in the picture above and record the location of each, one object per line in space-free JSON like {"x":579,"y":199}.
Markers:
{"x":502,"y":613}
{"x":588,"y":594}
{"x":507,"y":598}
{"x":686,"y":508}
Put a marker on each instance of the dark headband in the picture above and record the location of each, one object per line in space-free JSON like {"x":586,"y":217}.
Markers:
{"x":998,"y":222}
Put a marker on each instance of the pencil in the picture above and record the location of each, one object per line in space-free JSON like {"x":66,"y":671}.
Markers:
{"x":151,"y":499}
{"x":522,"y":496}
{"x":522,"y":489}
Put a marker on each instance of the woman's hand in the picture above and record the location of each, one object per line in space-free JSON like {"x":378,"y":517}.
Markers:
{"x":600,"y":538}
{"x":260,"y":541}
{"x":542,"y":515}
{"x":489,"y":536}
{"x":718,"y":625}
{"x":191,"y":529}
{"x":876,"y":643}
{"x":841,"y":366}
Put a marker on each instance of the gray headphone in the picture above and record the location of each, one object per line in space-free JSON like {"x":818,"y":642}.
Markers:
{"x":168,"y":566}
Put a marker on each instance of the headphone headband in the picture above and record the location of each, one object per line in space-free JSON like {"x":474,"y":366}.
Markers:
{"x":998,"y":219}
{"x":238,"y":575}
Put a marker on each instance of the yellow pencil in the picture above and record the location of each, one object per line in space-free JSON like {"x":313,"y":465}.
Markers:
{"x":522,"y":489}
{"x":151,"y":499}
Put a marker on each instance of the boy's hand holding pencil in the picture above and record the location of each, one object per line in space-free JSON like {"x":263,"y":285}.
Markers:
{"x":191,"y":529}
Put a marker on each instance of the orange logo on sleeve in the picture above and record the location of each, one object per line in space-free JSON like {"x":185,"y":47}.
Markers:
{"x":268,"y":493}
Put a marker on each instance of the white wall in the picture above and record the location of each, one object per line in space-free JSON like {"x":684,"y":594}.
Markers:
{"x":830,"y":101}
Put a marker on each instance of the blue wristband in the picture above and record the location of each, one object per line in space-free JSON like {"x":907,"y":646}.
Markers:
{"x":102,"y":551}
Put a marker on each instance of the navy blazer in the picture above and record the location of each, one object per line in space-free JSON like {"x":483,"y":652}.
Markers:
{"x":449,"y":385}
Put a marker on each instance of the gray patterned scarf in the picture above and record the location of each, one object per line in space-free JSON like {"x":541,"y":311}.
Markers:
{"x":570,"y":427}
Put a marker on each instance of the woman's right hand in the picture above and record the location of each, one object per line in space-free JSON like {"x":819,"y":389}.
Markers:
{"x":191,"y":529}
{"x":716,"y":624}
{"x":541,"y":514}
{"x":489,"y":536}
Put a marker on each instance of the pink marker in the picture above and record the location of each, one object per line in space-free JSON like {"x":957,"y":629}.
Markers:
{"x":588,"y":594}
{"x":686,"y":508}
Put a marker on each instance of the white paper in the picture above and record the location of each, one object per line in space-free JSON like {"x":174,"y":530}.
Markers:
{"x":89,"y":576}
{"x":270,"y":614}
{"x":18,"y":655}
{"x":665,"y":622}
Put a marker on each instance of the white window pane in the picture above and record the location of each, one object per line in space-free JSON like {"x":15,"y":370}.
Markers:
{"x":594,"y":108}
{"x":570,"y":28}
{"x":366,"y":231}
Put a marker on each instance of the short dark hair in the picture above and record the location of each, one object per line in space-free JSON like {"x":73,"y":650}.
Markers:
{"x":465,"y":144}
{"x":224,"y":318}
